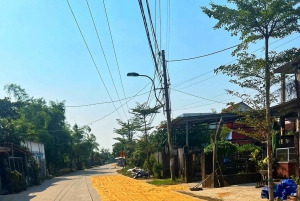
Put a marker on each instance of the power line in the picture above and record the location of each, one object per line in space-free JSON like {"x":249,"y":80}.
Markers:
{"x":151,"y":24}
{"x":151,"y":99}
{"x":116,"y":108}
{"x":92,"y":57}
{"x":197,"y":57}
{"x":147,"y":34}
{"x":168,"y":27}
{"x":209,"y":103}
{"x":99,"y":40}
{"x":198,"y":82}
{"x":160,"y":24}
{"x":202,"y":100}
{"x":197,"y":96}
{"x":181,"y":83}
{"x":204,"y":104}
{"x":113,"y":44}
{"x":107,"y":102}
{"x":154,"y":38}
{"x":153,"y":115}
{"x":193,"y":78}
{"x":148,"y":37}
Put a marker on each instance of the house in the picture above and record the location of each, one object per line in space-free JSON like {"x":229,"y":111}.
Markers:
{"x":13,"y":157}
{"x":288,"y":113}
{"x":38,"y":151}
{"x":234,"y":136}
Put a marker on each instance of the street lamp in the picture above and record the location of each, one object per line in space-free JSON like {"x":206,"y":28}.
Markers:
{"x":167,"y":109}
{"x":134,"y":74}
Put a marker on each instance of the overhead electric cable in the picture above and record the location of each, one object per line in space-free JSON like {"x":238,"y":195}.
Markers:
{"x":149,"y":39}
{"x":205,"y":104}
{"x":116,"y":108}
{"x":159,"y":25}
{"x":155,"y":40}
{"x":92,"y":57}
{"x":99,"y":40}
{"x":168,"y":27}
{"x":147,"y":34}
{"x":113,"y":44}
{"x":137,"y":94}
{"x":197,"y":57}
{"x":181,"y":83}
{"x":151,"y":24}
{"x":107,"y":102}
{"x":196,"y":96}
{"x":209,"y":103}
{"x":199,"y":82}
{"x":209,"y":98}
{"x":193,"y":78}
{"x":157,"y":103}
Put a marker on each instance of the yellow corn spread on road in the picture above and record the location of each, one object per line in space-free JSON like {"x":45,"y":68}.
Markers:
{"x":121,"y":188}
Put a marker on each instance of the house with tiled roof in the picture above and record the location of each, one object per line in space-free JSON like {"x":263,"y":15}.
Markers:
{"x":234,"y":136}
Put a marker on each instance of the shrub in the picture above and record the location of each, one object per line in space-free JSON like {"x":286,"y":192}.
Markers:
{"x":152,"y":161}
{"x":223,"y":147}
{"x":157,"y":168}
{"x":17,"y":182}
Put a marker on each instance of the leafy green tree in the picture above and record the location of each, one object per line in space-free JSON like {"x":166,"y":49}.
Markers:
{"x":29,"y":118}
{"x":83,"y":144}
{"x":127,"y":131}
{"x":8,"y":119}
{"x":159,"y":138}
{"x":14,"y":90}
{"x":255,"y":20}
{"x":142,"y":113}
{"x":118,"y":147}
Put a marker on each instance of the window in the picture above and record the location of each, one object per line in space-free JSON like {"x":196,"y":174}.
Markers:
{"x":286,"y":154}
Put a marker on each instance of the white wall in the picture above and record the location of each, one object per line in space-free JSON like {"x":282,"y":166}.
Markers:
{"x":36,"y":148}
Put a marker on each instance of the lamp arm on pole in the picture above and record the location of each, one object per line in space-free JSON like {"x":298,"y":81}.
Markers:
{"x":153,"y":88}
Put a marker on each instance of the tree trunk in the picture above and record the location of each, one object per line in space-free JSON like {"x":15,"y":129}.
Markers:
{"x":148,"y":161}
{"x":268,"y":115}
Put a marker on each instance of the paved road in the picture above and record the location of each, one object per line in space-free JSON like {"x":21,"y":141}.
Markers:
{"x":76,"y":186}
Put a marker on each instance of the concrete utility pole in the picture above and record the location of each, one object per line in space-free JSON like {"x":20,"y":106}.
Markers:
{"x":168,"y":111}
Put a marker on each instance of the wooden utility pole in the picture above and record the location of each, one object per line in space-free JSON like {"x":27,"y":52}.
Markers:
{"x":168,"y":112}
{"x":215,"y":156}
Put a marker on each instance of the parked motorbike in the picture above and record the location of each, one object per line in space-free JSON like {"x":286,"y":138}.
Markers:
{"x":140,"y":174}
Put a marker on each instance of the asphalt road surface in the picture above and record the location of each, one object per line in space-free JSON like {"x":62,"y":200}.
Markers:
{"x":75,"y":186}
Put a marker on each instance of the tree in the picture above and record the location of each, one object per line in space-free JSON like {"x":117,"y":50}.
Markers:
{"x":127,"y":131}
{"x":142,"y":113}
{"x":16,"y":91}
{"x":32,"y":119}
{"x":257,"y":20}
{"x":83,"y":145}
{"x":8,"y":118}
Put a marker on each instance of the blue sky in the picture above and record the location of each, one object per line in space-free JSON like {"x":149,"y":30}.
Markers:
{"x":42,"y":50}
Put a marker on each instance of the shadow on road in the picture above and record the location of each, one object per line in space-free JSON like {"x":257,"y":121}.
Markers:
{"x":29,"y":193}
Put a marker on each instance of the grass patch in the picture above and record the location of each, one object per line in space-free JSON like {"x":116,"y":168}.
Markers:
{"x":161,"y":182}
{"x":124,"y":172}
